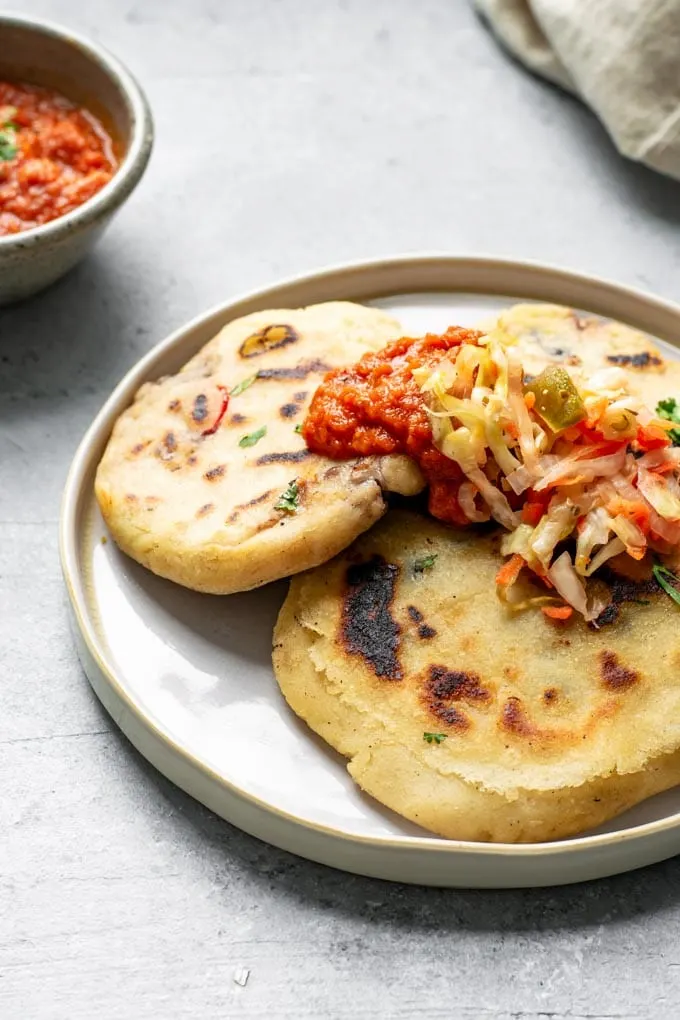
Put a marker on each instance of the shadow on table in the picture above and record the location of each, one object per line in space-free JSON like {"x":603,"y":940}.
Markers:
{"x":75,"y":339}
{"x":415,"y":908}
{"x":636,"y":185}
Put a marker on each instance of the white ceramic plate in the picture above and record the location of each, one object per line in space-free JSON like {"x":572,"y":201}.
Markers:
{"x":188,"y":677}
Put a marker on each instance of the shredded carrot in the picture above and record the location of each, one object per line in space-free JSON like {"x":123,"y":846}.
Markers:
{"x":636,"y":553}
{"x":538,"y":497}
{"x":510,"y":571}
{"x":530,"y":400}
{"x":605,"y":447}
{"x":511,"y":429}
{"x":532,"y":513}
{"x":651,"y":438}
{"x":634,"y":510}
{"x":573,"y":480}
{"x":664,"y":469}
{"x":557,"y":612}
{"x":589,"y":432}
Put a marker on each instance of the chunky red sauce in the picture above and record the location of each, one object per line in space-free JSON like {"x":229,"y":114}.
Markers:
{"x":53,"y":156}
{"x":376,"y":407}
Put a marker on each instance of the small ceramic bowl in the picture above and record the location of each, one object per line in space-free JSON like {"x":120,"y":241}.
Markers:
{"x":41,"y":53}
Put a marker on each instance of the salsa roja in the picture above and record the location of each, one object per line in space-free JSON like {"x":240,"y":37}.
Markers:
{"x":53,"y":156}
{"x":376,"y":408}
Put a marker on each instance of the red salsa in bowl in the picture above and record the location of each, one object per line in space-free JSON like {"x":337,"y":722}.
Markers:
{"x":54,"y":156}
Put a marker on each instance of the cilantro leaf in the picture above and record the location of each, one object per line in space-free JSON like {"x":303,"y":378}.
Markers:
{"x":668,"y":581}
{"x":434,"y":738}
{"x":253,"y":437}
{"x":243,"y":385}
{"x":8,"y":146}
{"x":668,"y":410}
{"x":424,"y":563}
{"x":298,"y":428}
{"x":289,"y":499}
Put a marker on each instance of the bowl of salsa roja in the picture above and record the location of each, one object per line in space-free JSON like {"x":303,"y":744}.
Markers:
{"x":75,"y":137}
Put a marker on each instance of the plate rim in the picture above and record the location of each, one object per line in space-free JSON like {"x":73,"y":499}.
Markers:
{"x":87,"y":454}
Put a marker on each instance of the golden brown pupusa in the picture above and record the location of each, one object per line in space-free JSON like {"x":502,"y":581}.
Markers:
{"x":194,"y":479}
{"x":585,"y":344}
{"x":472,"y":721}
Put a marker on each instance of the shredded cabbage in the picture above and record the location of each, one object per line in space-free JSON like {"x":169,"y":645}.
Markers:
{"x":594,"y":531}
{"x":631,"y":536}
{"x":517,"y":541}
{"x":521,"y":414}
{"x":556,"y":524}
{"x":466,"y":498}
{"x":659,"y":494}
{"x":506,"y":461}
{"x":609,"y":482}
{"x":571,"y":588}
{"x":581,"y":466}
{"x":568,"y":583}
{"x":612,"y":548}
{"x":496,"y":501}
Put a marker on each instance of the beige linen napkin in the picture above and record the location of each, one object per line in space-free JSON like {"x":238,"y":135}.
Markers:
{"x":622,"y":57}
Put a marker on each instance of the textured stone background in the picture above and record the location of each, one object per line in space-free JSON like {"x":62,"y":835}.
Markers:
{"x":290,"y":134}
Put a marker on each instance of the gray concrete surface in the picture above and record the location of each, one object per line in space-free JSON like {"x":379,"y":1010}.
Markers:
{"x":290,"y":134}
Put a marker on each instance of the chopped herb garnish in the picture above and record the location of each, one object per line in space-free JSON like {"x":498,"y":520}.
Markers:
{"x":668,"y":581}
{"x":253,"y":437}
{"x":289,"y":499}
{"x":8,"y":143}
{"x":424,"y":563}
{"x":434,"y":738}
{"x":669,"y":411}
{"x":298,"y":428}
{"x":243,"y":385}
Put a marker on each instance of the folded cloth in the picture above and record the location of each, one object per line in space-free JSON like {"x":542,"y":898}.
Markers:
{"x":622,"y":57}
